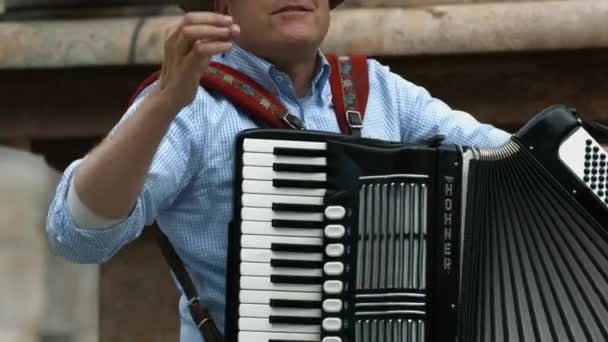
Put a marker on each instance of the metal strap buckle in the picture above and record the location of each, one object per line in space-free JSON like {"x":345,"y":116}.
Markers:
{"x":192,"y":301}
{"x":353,"y":118}
{"x":293,"y":121}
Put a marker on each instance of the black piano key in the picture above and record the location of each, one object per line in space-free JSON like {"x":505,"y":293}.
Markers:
{"x":296,"y":224}
{"x":294,"y":320}
{"x":297,"y":304}
{"x":280,"y":167}
{"x":298,"y":208}
{"x":294,"y":248}
{"x":296,"y":263}
{"x":299,"y":152}
{"x":287,"y":279}
{"x":302,"y":184}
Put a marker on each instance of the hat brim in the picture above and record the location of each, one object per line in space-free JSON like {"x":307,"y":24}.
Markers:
{"x":207,"y":5}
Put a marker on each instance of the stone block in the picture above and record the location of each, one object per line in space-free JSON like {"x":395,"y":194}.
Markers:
{"x":22,"y":288}
{"x":8,"y":335}
{"x":27,"y":184}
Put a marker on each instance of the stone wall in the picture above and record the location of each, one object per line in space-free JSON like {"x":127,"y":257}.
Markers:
{"x":44,"y":298}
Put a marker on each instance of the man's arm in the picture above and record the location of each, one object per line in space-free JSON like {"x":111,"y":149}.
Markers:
{"x":143,"y":164}
{"x":83,"y":234}
{"x":422,"y":116}
{"x":431,"y":116}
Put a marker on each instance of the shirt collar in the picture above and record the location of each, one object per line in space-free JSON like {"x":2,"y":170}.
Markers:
{"x":268,"y":76}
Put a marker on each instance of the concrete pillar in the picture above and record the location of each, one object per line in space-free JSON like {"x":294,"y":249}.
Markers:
{"x":41,"y":295}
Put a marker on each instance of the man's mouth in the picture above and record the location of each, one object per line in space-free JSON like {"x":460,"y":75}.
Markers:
{"x":292,"y":9}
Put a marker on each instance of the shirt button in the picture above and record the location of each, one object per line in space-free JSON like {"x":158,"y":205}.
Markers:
{"x":58,"y":238}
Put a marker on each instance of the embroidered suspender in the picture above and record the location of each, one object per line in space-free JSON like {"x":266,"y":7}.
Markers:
{"x":350,"y":87}
{"x":349,"y":82}
{"x":247,"y":94}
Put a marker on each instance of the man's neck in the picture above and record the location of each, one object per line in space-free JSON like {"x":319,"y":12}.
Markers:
{"x":301,"y":73}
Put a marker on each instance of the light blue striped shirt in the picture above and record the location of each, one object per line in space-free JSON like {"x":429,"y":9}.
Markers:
{"x":188,"y":190}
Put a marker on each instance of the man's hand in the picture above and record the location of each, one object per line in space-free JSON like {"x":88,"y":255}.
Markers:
{"x":189,"y":45}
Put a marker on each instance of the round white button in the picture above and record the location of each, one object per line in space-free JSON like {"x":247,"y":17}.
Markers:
{"x":332,"y":305}
{"x":335,"y":212}
{"x":331,"y":339}
{"x":332,"y":324}
{"x":333,"y":268}
{"x":333,"y":287}
{"x":334,"y":250}
{"x":335,"y":231}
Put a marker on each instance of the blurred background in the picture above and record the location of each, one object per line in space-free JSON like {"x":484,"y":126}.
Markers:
{"x":68,"y":68}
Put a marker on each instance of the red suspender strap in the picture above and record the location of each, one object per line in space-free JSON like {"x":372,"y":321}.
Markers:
{"x":350,"y":87}
{"x":244,"y":92}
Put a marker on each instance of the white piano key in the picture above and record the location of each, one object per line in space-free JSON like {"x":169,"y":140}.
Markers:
{"x":265,"y":255}
{"x":267,"y":159}
{"x":260,"y":269}
{"x":266,"y":228}
{"x":268,"y":145}
{"x":266,"y":187}
{"x":264,"y":297}
{"x":335,"y":212}
{"x":267,"y":214}
{"x":265,"y":241}
{"x":266,"y":201}
{"x":263,"y":324}
{"x":267,"y":173}
{"x":263,"y":283}
{"x":265,"y":311}
{"x":258,"y":336}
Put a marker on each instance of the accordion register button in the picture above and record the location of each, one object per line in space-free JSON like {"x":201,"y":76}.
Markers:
{"x":334,"y":250}
{"x":332,"y":324}
{"x":332,"y":305}
{"x":332,"y":339}
{"x":335,"y":212}
{"x":333,"y":287}
{"x":333,"y":268}
{"x":335,"y":231}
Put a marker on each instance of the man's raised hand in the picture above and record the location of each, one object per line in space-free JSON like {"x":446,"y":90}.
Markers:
{"x":189,"y":45}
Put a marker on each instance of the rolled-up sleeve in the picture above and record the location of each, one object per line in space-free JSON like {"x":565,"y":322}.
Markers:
{"x":169,"y":173}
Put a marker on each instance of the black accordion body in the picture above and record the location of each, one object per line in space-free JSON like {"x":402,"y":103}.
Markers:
{"x":339,"y":239}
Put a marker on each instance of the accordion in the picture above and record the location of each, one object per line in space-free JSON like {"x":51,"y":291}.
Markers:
{"x":343,"y":239}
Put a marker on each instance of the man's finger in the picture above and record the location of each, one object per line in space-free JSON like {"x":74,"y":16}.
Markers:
{"x":202,"y":51}
{"x":206,"y":32}
{"x":206,"y":18}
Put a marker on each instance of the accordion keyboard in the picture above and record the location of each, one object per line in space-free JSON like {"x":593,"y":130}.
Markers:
{"x":327,"y":249}
{"x":281,"y":268}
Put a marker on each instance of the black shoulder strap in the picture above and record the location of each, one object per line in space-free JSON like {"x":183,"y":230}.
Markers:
{"x":200,"y":314}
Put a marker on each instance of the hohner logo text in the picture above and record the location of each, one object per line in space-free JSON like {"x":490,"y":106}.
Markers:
{"x":447,"y":205}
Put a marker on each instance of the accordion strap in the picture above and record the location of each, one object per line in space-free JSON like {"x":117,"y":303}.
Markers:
{"x":199,"y":313}
{"x":349,"y":82}
{"x":350,"y":87}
